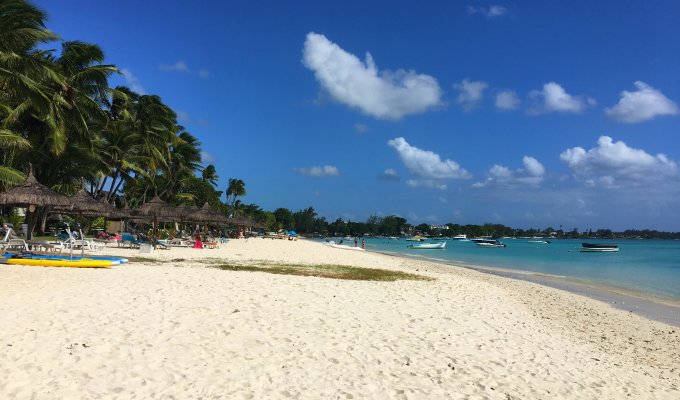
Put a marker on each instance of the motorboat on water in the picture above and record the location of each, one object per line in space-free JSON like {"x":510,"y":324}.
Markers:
{"x":415,"y":239}
{"x":462,"y":238}
{"x":489,"y":243}
{"x":424,"y":246}
{"x":539,"y":241}
{"x":599,"y":248}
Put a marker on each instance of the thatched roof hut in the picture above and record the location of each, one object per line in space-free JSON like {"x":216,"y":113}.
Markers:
{"x":32,"y":193}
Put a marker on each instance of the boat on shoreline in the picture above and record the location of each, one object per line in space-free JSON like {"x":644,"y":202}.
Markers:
{"x":599,"y":248}
{"x":424,"y":246}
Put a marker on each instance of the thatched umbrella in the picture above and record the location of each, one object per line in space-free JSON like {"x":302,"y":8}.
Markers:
{"x":188,"y":213}
{"x":207,"y":215}
{"x":111,"y":212}
{"x":82,"y":203}
{"x":32,"y":194}
{"x":243,"y":221}
{"x":157,"y":210}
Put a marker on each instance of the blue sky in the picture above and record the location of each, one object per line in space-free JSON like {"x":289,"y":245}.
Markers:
{"x":529,"y":114}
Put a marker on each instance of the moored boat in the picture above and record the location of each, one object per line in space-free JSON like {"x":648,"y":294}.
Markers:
{"x":599,"y":248}
{"x":462,"y":237}
{"x":489,"y":243}
{"x":428,"y":246}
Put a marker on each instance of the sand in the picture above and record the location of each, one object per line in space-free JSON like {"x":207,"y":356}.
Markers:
{"x":180,"y":330}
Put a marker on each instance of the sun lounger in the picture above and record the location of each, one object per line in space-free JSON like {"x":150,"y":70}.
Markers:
{"x":16,"y":244}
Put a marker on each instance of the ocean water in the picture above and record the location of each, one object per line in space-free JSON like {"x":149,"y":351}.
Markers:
{"x":647,"y":268}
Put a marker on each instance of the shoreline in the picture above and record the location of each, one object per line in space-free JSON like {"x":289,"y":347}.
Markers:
{"x":643,"y":304}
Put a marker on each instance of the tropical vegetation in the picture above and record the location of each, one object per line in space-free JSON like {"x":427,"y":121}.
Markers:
{"x":59,"y":113}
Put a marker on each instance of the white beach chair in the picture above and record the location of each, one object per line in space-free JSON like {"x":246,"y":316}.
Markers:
{"x":16,"y":244}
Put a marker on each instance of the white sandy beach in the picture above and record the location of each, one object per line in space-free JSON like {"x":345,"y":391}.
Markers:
{"x":180,"y":330}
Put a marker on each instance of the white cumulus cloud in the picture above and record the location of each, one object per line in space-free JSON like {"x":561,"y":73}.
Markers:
{"x":553,"y":98}
{"x":641,"y":105}
{"x":470,"y":93}
{"x":426,"y":165}
{"x":532,"y":174}
{"x":381,"y":94}
{"x":319,"y":172}
{"x":612,"y":164}
{"x":507,"y":100}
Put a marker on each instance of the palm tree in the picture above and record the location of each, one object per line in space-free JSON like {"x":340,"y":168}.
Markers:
{"x":236,"y":188}
{"x":209,"y":174}
{"x":22,"y":68}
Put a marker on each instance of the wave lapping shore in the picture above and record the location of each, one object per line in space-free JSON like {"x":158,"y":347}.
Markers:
{"x":173,"y":327}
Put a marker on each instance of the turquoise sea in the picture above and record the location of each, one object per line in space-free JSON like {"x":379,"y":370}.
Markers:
{"x":646,"y":268}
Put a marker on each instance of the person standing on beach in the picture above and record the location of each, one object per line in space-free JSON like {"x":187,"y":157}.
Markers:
{"x":363,"y":244}
{"x":356,"y":242}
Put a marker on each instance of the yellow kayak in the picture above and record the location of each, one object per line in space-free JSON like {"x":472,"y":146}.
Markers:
{"x":59,"y":263}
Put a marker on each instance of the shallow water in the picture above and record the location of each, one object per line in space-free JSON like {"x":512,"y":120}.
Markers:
{"x":649,"y":268}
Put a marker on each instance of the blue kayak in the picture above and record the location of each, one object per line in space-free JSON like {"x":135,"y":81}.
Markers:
{"x":32,"y":256}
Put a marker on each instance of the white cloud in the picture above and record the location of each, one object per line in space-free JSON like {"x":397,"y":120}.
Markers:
{"x":389,"y":175}
{"x":430,"y":183}
{"x":553,"y":98}
{"x":532,"y":175}
{"x":207,"y":158}
{"x":470,"y":93}
{"x":132,"y":81}
{"x":183,"y":116}
{"x":641,"y":105}
{"x":612,"y":164}
{"x":179,"y":66}
{"x":381,"y":94}
{"x":493,"y":11}
{"x":204,"y":73}
{"x":361,"y":128}
{"x":320,"y":172}
{"x":427,"y":166}
{"x":507,"y":100}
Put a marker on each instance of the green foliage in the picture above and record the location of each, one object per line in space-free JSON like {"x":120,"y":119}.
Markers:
{"x":284,"y":219}
{"x":13,"y":218}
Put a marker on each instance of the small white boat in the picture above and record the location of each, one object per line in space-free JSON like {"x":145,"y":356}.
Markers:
{"x":599,"y":248}
{"x":415,"y":239}
{"x":489,"y":243}
{"x":462,"y":237}
{"x":428,"y":246}
{"x":343,"y":246}
{"x":539,"y":241}
{"x":393,"y":238}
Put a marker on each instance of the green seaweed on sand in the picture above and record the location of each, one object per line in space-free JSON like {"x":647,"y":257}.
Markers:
{"x":327,"y":271}
{"x":143,"y":260}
